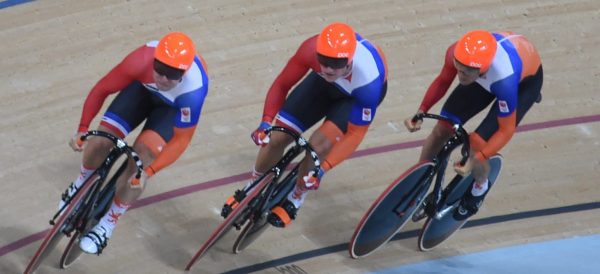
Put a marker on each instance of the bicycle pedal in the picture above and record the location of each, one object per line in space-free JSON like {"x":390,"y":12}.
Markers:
{"x":226,"y":210}
{"x":239,"y":195}
{"x":232,"y":202}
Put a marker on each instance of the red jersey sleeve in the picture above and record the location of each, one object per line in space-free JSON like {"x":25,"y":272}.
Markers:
{"x":293,"y":71}
{"x":442,"y":82}
{"x":130,"y":69}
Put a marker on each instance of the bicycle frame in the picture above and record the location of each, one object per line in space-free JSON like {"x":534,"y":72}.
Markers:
{"x":120,"y":148}
{"x":276,"y":185}
{"x":84,"y":204}
{"x":255,"y":200}
{"x":440,"y":161}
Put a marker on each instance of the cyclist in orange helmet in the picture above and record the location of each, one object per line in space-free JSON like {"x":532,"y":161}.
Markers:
{"x":336,"y":75}
{"x":500,"y":67}
{"x":163,"y":83}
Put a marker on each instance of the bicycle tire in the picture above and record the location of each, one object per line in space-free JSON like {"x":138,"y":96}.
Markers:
{"x":72,"y":251}
{"x":435,"y":231}
{"x":55,"y":234}
{"x":226,"y":225}
{"x":380,"y":223}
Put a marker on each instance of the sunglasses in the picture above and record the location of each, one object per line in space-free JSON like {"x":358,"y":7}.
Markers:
{"x":334,"y":63}
{"x":167,"y":71}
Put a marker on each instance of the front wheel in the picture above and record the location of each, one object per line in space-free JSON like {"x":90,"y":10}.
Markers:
{"x":390,"y":211}
{"x":232,"y":217}
{"x":50,"y":241}
{"x":57,"y":232}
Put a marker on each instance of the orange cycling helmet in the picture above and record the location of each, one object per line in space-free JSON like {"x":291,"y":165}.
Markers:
{"x":176,"y":50}
{"x":337,"y":40}
{"x":476,"y":49}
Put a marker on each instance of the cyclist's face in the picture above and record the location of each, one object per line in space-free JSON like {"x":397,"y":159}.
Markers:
{"x":466,"y":75}
{"x":166,"y":77}
{"x":331,"y":74}
{"x":163,"y":83}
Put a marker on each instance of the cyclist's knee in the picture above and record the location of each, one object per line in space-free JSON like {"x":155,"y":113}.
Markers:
{"x":95,"y":151}
{"x":148,"y":145}
{"x":442,"y":130}
{"x":279,"y":139}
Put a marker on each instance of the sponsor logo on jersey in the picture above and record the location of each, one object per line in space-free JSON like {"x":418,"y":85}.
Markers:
{"x":366,"y":114}
{"x":186,"y":116}
{"x":503,"y":106}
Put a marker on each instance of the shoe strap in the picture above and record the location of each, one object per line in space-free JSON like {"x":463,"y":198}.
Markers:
{"x":99,"y":240}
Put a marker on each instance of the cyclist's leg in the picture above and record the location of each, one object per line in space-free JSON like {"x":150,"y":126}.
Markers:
{"x":308,"y":103}
{"x":94,"y":152}
{"x":529,"y":92}
{"x":128,"y":110}
{"x":96,"y":149}
{"x":304,"y":107}
{"x":269,"y":154}
{"x":464,"y":103}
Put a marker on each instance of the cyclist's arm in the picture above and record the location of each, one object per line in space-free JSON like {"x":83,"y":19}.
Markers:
{"x":293,"y":71}
{"x":500,"y":138}
{"x":118,"y":78}
{"x":189,"y":107}
{"x":442,"y":82}
{"x":506,"y":91}
{"x":172,"y":150}
{"x":346,"y":146}
{"x":367,"y":99}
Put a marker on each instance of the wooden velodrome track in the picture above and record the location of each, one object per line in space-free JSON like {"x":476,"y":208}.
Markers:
{"x":53,"y":52}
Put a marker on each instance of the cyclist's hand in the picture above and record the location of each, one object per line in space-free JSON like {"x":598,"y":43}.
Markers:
{"x":75,"y":143}
{"x":465,"y":169}
{"x":138,"y":183}
{"x":312,"y":181}
{"x":259,"y":136}
{"x":413,"y":126}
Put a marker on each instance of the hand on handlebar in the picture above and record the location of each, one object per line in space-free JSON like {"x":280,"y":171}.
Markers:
{"x":465,"y":169}
{"x":413,"y":124}
{"x":138,"y":183}
{"x":259,"y":136}
{"x":312,"y":181}
{"x":75,"y":143}
{"x":471,"y":164}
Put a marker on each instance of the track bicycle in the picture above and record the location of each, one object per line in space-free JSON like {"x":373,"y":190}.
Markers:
{"x":87,"y":205}
{"x":406,"y":198}
{"x":253,"y":204}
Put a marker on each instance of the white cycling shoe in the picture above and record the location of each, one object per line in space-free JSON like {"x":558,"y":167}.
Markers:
{"x":95,"y":240}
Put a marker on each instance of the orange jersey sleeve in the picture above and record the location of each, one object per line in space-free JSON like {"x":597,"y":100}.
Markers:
{"x":506,"y":129}
{"x":172,"y":150}
{"x":345,"y":147}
